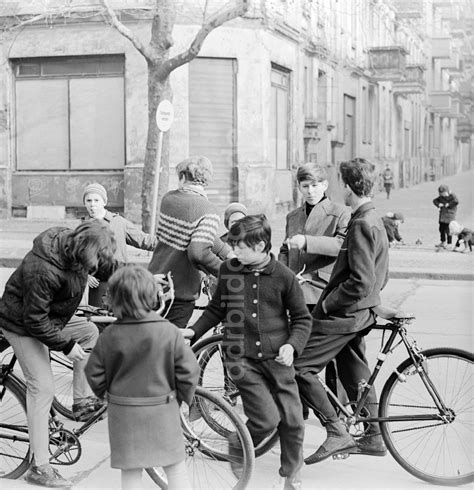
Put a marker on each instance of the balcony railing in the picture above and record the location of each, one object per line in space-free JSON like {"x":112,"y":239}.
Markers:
{"x":412,"y":81}
{"x":388,"y":62}
{"x":409,"y":9}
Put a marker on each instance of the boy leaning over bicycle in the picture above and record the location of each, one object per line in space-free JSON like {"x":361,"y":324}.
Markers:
{"x":254,"y":293}
{"x":343,"y":313}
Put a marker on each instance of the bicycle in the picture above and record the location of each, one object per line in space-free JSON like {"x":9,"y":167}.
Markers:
{"x":207,"y":453}
{"x":425,"y":407}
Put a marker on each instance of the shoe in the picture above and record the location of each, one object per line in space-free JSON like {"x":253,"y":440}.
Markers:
{"x":293,"y":482}
{"x":337,"y":440}
{"x":441,"y":245}
{"x":85,"y":408}
{"x":371,"y":445}
{"x":236,"y":456}
{"x":46,"y":476}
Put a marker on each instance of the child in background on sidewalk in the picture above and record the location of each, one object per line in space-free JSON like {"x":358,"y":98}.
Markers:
{"x":266,"y":324}
{"x":447,"y":203}
{"x":464,"y":235}
{"x":392,"y":221}
{"x":143,"y":365}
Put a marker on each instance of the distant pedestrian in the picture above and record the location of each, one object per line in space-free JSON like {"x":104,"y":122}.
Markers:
{"x":447,"y":202}
{"x":388,"y":180}
{"x":126,"y":233}
{"x":142,"y":365}
{"x":391,"y":222}
{"x":464,"y":236}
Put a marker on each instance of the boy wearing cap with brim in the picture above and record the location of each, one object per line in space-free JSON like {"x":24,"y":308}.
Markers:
{"x":126,"y":233}
{"x":447,"y":203}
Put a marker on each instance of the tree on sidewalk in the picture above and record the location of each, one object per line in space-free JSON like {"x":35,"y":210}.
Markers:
{"x":160,"y":66}
{"x":207,"y":16}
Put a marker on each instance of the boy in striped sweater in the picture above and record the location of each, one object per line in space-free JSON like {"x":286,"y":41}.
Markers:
{"x":187,"y":232}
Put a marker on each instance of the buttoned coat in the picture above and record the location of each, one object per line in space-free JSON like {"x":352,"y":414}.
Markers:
{"x":261,"y":310}
{"x":358,"y":276}
{"x":147,"y":370}
{"x":324,"y":230}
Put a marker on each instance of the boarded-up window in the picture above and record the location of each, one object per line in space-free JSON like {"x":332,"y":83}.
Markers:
{"x":212,"y":123}
{"x":70,"y":113}
{"x":279,"y":103}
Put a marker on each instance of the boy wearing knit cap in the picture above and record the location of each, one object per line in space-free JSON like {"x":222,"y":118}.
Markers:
{"x":447,"y":203}
{"x":232,"y":213}
{"x":126,"y":233}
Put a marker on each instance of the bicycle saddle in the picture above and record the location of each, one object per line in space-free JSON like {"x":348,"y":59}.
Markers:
{"x":388,"y":313}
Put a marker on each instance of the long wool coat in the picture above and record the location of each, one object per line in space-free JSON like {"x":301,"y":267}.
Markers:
{"x":146,"y":370}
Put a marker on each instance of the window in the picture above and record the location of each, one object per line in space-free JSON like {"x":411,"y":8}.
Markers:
{"x":70,"y":113}
{"x":279,"y":104}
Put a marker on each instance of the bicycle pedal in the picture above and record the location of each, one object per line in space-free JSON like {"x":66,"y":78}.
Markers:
{"x":340,"y":456}
{"x":344,"y":454}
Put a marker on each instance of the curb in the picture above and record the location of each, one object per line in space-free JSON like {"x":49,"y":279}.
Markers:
{"x":14,"y":262}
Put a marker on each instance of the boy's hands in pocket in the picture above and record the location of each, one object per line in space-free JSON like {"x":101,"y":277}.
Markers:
{"x":285,"y":355}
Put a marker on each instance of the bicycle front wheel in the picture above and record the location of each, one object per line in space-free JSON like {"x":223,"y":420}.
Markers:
{"x":208,"y":453}
{"x":439,"y":450}
{"x":14,"y":440}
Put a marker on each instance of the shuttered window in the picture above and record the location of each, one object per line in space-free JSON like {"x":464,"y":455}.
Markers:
{"x":279,"y":104}
{"x":212,"y":122}
{"x":70,"y":113}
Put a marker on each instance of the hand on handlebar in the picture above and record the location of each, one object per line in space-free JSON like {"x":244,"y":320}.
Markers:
{"x":296,"y":241}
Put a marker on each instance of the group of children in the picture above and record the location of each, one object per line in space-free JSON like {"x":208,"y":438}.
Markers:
{"x":273,"y":345}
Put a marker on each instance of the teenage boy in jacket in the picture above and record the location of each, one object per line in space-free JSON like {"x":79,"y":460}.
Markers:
{"x":343,"y":314}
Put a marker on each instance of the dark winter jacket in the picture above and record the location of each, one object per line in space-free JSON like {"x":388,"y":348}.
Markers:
{"x":43,"y":293}
{"x":447,"y":212}
{"x":358,"y":276}
{"x":261,"y":310}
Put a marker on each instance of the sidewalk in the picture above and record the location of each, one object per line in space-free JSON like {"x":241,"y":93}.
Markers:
{"x":411,"y":260}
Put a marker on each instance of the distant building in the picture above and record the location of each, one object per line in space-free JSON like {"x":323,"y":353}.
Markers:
{"x":292,"y":81}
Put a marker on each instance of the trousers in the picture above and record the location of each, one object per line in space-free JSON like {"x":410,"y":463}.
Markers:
{"x":349,"y":349}
{"x":271,"y":400}
{"x":33,"y":357}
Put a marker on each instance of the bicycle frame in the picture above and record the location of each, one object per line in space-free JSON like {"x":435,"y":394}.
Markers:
{"x":396,"y":329}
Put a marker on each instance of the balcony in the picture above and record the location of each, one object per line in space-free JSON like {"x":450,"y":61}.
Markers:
{"x":465,"y":129}
{"x":452,"y":63}
{"x":409,"y":9}
{"x":441,"y":102}
{"x":412,"y":81}
{"x":441,"y":47}
{"x":388,"y":62}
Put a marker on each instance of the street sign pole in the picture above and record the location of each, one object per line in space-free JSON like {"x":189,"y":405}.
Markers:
{"x":164,"y":120}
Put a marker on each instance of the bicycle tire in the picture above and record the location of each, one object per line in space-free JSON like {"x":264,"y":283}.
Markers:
{"x":61,"y":367}
{"x":431,"y":450}
{"x":212,"y":377}
{"x":14,"y":441}
{"x":207,"y":454}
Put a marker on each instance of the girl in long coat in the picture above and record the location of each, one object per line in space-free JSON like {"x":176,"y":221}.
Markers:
{"x":144,"y":366}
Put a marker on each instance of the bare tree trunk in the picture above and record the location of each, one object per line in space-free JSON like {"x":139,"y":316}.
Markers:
{"x":158,"y":89}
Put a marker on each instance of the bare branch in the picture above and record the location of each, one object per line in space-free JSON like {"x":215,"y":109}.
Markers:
{"x":215,"y":21}
{"x":125,"y":31}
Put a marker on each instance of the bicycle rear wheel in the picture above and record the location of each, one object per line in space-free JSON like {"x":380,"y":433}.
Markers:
{"x":207,"y":451}
{"x":14,"y":441}
{"x":214,"y":377}
{"x":437,"y":451}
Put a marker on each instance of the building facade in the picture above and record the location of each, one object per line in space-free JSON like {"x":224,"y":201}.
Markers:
{"x":291,"y":81}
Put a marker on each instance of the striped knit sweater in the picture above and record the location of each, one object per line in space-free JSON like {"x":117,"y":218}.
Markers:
{"x":187,"y":228}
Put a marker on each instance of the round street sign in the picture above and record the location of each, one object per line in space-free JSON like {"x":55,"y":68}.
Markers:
{"x":164,"y":115}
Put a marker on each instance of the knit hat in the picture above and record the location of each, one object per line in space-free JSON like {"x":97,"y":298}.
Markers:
{"x":443,"y":188}
{"x":399,"y":217}
{"x":234,"y":207}
{"x":95,"y":188}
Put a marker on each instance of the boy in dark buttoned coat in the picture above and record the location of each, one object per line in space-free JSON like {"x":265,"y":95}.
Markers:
{"x":266,"y":325}
{"x":343,"y":314}
{"x":144,"y":366}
